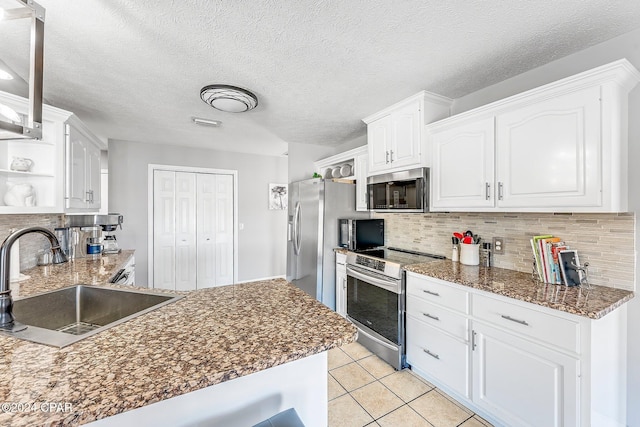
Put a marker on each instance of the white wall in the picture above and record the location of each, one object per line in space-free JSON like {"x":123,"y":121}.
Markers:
{"x":261,"y":244}
{"x":302,"y":156}
{"x":625,"y":46}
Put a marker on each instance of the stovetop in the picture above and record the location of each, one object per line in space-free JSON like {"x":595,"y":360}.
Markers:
{"x":399,"y":256}
{"x":388,"y":261}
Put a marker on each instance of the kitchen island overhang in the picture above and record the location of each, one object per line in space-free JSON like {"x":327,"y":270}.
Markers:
{"x":210,"y":337}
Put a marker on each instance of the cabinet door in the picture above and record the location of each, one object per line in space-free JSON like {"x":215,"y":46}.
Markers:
{"x":75,"y":194}
{"x":462,"y":166}
{"x":406,"y":141}
{"x":361,"y":164}
{"x":378,"y":143}
{"x":439,"y":355}
{"x":92,"y":176}
{"x":523,"y":383}
{"x":549,"y":153}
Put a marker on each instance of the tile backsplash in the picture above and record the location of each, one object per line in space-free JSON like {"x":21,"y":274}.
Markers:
{"x":606,"y":241}
{"x":30,"y":244}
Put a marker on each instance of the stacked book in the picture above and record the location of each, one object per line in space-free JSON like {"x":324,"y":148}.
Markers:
{"x":546,"y":252}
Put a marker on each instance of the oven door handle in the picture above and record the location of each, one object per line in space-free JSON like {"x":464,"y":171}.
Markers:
{"x":389,"y":285}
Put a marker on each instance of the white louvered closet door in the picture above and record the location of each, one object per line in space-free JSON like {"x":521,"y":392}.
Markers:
{"x":202,"y":212}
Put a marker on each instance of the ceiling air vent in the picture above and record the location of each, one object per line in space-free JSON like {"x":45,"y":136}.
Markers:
{"x":12,"y":126}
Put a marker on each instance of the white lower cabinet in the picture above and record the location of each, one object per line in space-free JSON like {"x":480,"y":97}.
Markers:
{"x":516,"y":363}
{"x":341,"y":284}
{"x":442,"y":355}
{"x":521,"y":382}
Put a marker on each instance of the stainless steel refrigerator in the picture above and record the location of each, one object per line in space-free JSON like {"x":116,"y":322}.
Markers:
{"x":315,"y":205}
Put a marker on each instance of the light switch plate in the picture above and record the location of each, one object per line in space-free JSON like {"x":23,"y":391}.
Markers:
{"x":498,"y":245}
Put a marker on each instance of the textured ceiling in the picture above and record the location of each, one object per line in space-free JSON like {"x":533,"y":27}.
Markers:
{"x":133,"y":69}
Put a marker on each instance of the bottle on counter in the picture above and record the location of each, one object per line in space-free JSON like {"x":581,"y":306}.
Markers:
{"x":455,"y":250}
{"x":485,"y":254}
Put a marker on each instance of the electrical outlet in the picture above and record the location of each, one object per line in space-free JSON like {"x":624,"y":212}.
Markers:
{"x":498,"y":245}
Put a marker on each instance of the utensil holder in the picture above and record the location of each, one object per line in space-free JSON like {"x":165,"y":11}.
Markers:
{"x":470,"y":253}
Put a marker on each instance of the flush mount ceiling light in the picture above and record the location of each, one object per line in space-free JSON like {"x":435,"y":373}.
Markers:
{"x":206,"y":122}
{"x":227,"y":98}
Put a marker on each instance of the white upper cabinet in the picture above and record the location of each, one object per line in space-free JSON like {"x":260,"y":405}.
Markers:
{"x":59,"y":173}
{"x":462,"y":168}
{"x":82,"y":189}
{"x":558,"y":148}
{"x":549,"y":153}
{"x":355,"y":163}
{"x":32,"y":171}
{"x":361,"y":163}
{"x":395,"y":138}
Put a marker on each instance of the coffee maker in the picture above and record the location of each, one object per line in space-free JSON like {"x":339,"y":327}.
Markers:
{"x":83,"y":235}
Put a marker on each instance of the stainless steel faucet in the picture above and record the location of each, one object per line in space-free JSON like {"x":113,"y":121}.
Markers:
{"x":7,"y":321}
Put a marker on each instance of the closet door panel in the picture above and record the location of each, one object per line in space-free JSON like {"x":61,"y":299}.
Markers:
{"x":206,"y":230}
{"x":224,"y":230}
{"x":164,"y":230}
{"x":186,"y":237}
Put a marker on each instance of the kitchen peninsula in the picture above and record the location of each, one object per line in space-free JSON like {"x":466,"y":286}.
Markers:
{"x":216,"y":337}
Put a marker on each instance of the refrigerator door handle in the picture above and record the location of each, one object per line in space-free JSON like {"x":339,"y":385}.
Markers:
{"x":296,"y":230}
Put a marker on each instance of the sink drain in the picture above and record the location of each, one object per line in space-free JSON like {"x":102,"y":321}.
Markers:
{"x":78,"y":328}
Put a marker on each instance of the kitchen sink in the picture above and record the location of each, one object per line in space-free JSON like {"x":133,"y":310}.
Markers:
{"x":65,"y":316}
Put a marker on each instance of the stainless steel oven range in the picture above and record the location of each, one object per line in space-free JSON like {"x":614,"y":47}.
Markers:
{"x":376,"y":299}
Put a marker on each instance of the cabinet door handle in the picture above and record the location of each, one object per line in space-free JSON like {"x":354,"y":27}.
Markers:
{"x":391,"y":155}
{"x":522,"y":322}
{"x":386,"y":157}
{"x":435,"y":294}
{"x":500,"y":189}
{"x":473,"y":340}
{"x":431,"y":316}
{"x":435,"y":356}
{"x":487,"y":189}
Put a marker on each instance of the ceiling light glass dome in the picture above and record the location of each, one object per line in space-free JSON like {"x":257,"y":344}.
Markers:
{"x":227,"y":98}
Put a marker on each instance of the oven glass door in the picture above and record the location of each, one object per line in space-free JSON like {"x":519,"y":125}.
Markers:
{"x":374,"y":307}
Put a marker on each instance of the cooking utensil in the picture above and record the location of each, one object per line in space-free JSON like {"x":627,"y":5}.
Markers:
{"x":457,"y":235}
{"x":467,"y":240}
{"x":468,"y":233}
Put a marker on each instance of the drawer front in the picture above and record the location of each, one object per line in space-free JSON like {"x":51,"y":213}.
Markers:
{"x":434,"y":291}
{"x":439,"y":317}
{"x":541,"y":326}
{"x":439,"y":355}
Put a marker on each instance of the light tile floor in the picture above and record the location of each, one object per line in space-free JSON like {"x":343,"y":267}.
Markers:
{"x":366,"y":391}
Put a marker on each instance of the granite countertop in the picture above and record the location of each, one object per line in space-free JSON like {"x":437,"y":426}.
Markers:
{"x":594,"y":303}
{"x":77,"y":271}
{"x":208,"y":337}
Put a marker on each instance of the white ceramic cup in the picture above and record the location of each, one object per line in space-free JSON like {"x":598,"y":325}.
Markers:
{"x":470,"y":254}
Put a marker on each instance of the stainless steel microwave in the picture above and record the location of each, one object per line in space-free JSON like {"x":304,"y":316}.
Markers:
{"x":360,"y":234}
{"x":405,"y":191}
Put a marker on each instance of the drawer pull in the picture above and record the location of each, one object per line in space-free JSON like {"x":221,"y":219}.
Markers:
{"x":431,"y":317}
{"x":435,"y":356}
{"x":522,"y":322}
{"x":435,"y":294}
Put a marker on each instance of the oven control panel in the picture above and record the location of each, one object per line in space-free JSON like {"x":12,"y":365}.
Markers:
{"x":374,"y":264}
